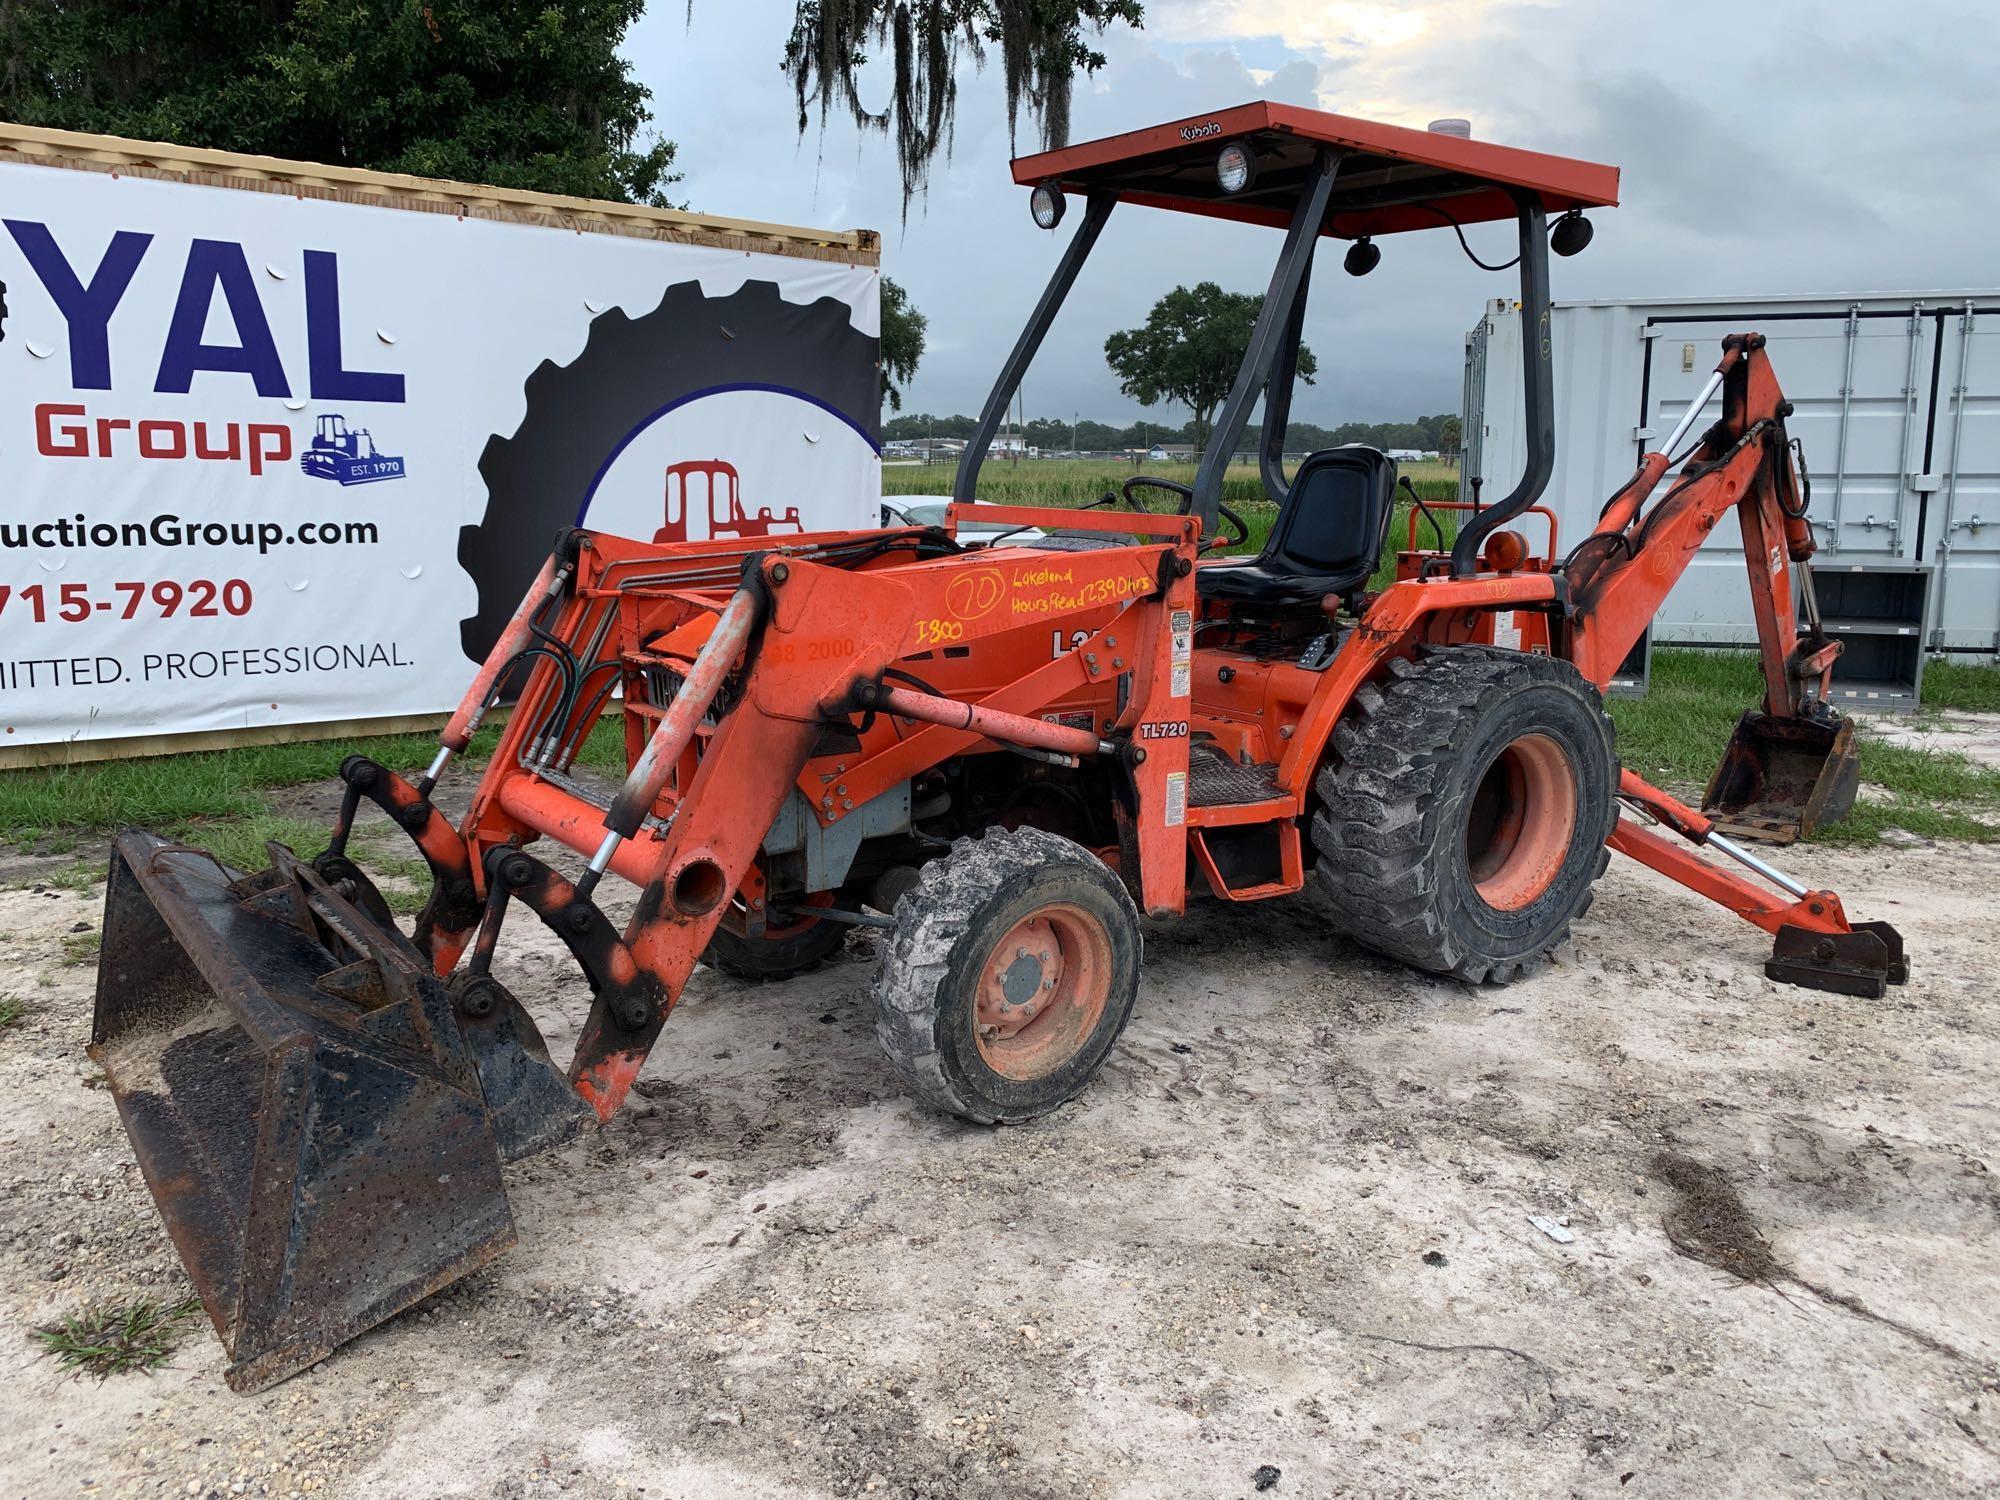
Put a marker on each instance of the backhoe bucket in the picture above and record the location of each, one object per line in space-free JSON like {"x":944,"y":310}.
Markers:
{"x":1782,"y":777}
{"x":303,"y":1102}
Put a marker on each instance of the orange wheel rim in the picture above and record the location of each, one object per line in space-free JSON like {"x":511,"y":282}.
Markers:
{"x":1042,"y":991}
{"x":1523,"y":817}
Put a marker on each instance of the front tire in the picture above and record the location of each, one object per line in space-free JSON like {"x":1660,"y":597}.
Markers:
{"x":1466,"y":809}
{"x":1012,"y":968}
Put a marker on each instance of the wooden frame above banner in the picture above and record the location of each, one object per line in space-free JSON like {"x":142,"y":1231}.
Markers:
{"x":270,"y":174}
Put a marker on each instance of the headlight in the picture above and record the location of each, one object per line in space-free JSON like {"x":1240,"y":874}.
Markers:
{"x":1046,"y":204}
{"x":1235,"y":167}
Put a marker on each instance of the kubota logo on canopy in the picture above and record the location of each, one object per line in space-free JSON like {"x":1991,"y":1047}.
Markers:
{"x":1202,"y":131}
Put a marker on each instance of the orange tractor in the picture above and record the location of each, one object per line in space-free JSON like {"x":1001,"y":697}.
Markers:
{"x":1000,"y":755}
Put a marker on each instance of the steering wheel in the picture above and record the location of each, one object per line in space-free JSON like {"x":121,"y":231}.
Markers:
{"x":1186,"y":492}
{"x":1172,"y":487}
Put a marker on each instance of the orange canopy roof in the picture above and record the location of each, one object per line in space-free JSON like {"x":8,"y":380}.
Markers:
{"x":1391,"y":178}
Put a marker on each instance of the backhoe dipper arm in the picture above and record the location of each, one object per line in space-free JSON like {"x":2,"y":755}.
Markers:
{"x":1622,"y":572}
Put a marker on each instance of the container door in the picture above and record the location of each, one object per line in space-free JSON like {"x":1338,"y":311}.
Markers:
{"x":1497,"y":454}
{"x":1472,"y":405}
{"x":1961,"y":523}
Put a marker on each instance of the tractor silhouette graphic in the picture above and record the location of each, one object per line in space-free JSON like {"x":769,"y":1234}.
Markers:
{"x":347,"y":455}
{"x":726,"y":516}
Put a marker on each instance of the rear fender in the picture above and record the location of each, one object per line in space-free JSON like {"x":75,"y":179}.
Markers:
{"x":1395,"y":625}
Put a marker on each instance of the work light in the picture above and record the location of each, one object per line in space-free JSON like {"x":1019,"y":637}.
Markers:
{"x":1046,"y":204}
{"x":1571,"y":234}
{"x":1235,"y":167}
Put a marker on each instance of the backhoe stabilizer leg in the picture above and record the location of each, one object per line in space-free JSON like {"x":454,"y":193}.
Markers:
{"x":1861,"y":961}
{"x":1815,"y":945}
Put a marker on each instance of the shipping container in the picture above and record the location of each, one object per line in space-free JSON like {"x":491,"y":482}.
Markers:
{"x":1897,"y":413}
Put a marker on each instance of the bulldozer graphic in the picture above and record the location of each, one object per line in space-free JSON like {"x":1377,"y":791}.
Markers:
{"x":726,"y":516}
{"x":347,"y":455}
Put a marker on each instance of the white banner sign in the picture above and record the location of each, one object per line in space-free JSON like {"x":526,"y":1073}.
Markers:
{"x":268,"y":460}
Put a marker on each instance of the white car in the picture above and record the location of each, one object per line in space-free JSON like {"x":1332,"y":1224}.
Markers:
{"x":928,"y":510}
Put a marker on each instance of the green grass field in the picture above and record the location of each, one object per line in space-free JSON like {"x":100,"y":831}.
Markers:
{"x":1077,"y":481}
{"x":1674,"y":736}
{"x":226,"y":801}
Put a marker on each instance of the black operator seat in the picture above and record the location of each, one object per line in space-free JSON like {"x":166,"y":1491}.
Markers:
{"x":1327,"y":539}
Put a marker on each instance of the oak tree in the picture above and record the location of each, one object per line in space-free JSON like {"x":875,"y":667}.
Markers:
{"x":1189,"y":350}
{"x":516,"y":93}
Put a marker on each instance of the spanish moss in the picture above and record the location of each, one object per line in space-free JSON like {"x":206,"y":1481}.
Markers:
{"x":1043,"y":45}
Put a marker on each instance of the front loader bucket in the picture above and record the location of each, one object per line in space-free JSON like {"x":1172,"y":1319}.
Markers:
{"x":301,"y":1098}
{"x":1781,"y":777}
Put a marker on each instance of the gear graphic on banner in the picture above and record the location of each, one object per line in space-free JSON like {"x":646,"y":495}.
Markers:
{"x":631,"y":375}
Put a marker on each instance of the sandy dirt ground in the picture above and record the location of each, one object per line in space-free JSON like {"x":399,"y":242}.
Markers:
{"x":1282,"y":1243}
{"x":1975,"y":736}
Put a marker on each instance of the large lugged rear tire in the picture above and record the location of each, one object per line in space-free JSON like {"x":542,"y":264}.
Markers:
{"x":1466,"y":805}
{"x":1012,"y":968}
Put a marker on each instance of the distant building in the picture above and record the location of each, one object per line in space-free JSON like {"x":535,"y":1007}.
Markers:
{"x":1161,"y":453}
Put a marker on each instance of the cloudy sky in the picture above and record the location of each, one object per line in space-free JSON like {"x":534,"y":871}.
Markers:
{"x":1823,"y":146}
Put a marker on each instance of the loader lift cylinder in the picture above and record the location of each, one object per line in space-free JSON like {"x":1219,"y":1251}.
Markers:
{"x":465,"y":720}
{"x":676,"y":728}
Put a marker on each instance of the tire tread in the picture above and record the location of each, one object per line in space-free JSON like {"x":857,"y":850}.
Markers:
{"x":1377,"y":829}
{"x":931,"y":920}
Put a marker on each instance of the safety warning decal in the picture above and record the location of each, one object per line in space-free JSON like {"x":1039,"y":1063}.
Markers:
{"x":1176,"y":799}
